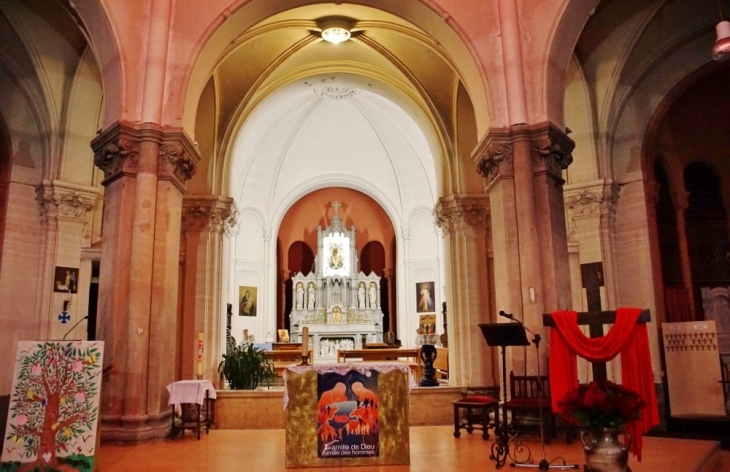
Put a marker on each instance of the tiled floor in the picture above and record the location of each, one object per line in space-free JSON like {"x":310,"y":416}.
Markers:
{"x":433,"y":448}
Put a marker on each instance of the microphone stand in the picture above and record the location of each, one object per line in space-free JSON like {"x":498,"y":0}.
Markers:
{"x":543,"y":464}
{"x":74,"y":326}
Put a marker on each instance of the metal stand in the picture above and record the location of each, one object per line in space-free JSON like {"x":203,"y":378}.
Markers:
{"x":507,"y":442}
{"x":543,"y":464}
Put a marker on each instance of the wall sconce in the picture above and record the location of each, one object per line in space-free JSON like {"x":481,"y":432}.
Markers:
{"x":721,"y":49}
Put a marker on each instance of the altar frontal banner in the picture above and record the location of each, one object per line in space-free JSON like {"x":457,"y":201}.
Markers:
{"x":347,"y":414}
{"x":54,"y":406}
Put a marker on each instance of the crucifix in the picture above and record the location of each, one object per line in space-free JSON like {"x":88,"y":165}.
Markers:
{"x":595,"y":322}
{"x":337,"y":205}
{"x":595,"y":318}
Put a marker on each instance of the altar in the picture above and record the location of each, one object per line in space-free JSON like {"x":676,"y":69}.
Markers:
{"x":339,"y":305}
{"x":347,"y":414}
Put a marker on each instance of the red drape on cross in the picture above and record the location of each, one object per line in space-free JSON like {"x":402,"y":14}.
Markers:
{"x":626,"y":337}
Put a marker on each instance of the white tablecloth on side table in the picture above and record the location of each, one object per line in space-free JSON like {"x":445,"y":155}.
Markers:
{"x":190,"y":391}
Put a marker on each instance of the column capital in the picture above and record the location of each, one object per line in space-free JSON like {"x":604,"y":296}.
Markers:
{"x":457,"y":211}
{"x":551,"y":150}
{"x":65,"y":200}
{"x":208,"y":213}
{"x":493,"y":157}
{"x":116,"y":152}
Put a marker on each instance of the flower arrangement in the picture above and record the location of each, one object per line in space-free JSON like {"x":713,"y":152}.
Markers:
{"x":599,"y":405}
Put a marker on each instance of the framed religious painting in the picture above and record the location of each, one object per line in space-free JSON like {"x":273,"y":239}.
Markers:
{"x":248,"y":302}
{"x":424,"y":297}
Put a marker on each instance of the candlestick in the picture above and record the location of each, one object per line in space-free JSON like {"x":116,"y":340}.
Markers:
{"x":305,"y":341}
{"x":200,"y":355}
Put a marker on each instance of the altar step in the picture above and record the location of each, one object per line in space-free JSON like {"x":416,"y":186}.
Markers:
{"x":716,"y":428}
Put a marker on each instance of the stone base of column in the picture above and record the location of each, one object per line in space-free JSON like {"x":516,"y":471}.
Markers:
{"x":130,"y":431}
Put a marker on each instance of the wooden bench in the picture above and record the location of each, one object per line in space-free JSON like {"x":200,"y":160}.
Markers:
{"x":285,"y":358}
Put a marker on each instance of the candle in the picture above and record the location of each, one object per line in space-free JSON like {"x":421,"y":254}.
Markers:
{"x":200,"y":354}
{"x":305,"y":341}
{"x":245,"y":335}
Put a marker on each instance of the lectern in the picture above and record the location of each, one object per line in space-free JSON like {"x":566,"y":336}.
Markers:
{"x":503,"y":335}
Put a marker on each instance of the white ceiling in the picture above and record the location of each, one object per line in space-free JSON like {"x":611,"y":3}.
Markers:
{"x":337,"y":130}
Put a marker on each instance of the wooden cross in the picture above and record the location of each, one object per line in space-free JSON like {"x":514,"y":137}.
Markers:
{"x":595,"y":322}
{"x":337,"y":205}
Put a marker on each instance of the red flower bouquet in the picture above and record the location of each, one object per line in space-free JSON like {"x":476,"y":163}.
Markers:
{"x":600,"y":405}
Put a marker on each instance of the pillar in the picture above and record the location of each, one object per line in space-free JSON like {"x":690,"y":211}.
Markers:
{"x":463,"y":220}
{"x":145,"y":171}
{"x":65,"y":211}
{"x":206,"y":220}
{"x":521,"y":167}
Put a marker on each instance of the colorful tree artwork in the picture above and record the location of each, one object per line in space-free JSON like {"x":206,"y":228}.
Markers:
{"x":54,"y":407}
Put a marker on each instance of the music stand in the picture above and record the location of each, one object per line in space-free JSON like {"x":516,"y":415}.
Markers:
{"x":503,"y":335}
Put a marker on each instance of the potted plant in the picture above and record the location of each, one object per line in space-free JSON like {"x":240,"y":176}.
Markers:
{"x":603,"y":409}
{"x":245,"y":366}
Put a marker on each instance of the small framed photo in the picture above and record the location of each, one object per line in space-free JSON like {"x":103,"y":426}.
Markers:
{"x":283,"y":335}
{"x":65,"y":280}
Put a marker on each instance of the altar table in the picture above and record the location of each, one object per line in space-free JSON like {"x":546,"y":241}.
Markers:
{"x":347,"y":414}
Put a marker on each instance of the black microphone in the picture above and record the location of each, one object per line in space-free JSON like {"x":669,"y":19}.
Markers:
{"x":506,"y":315}
{"x":72,"y":327}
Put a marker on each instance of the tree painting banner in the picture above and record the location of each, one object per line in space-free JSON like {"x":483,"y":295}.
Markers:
{"x":54,"y":406}
{"x":347,"y":414}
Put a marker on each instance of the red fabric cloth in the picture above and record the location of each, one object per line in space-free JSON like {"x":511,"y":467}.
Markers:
{"x":626,"y":337}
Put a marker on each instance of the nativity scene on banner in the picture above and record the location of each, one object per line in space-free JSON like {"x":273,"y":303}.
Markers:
{"x":54,"y":407}
{"x":347,"y":414}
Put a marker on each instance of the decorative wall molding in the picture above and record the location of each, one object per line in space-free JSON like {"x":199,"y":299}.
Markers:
{"x":65,"y":200}
{"x":336,"y":92}
{"x":209,"y":212}
{"x":455,"y":212}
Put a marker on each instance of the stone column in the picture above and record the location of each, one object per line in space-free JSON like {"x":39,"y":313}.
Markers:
{"x":206,"y":218}
{"x":551,"y":154}
{"x":65,"y":209}
{"x":145,"y":169}
{"x":463,"y":220}
{"x":521,"y":167}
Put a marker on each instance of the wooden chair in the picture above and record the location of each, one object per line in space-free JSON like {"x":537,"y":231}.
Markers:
{"x":478,"y":402}
{"x":530,"y":394}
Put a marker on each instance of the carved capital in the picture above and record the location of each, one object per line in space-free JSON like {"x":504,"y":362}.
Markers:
{"x":455,"y":212}
{"x":551,"y":150}
{"x":209,"y":213}
{"x":116,"y":152}
{"x":585,"y":203}
{"x":64,"y":200}
{"x":493,"y":157}
{"x":611,"y":194}
{"x":406,"y":232}
{"x":178,"y":159}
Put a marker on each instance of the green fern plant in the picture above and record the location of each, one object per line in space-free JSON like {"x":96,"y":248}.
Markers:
{"x":245,"y":367}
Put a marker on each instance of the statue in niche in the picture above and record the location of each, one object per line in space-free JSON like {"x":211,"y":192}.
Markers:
{"x":361,"y":296}
{"x":310,"y":297}
{"x":300,"y":296}
{"x":373,"y":295}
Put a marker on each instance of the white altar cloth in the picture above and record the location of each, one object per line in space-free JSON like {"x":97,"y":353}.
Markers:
{"x":190,"y":391}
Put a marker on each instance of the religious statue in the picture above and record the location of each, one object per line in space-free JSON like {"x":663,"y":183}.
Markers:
{"x":373,"y":295}
{"x":336,"y":257}
{"x":300,"y":296}
{"x":310,"y":297}
{"x":361,"y":296}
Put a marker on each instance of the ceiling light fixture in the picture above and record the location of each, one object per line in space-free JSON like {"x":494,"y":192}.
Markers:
{"x":335,"y":30}
{"x":721,"y":49}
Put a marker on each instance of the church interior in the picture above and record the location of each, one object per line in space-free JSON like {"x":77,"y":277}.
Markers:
{"x":176,"y":174}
